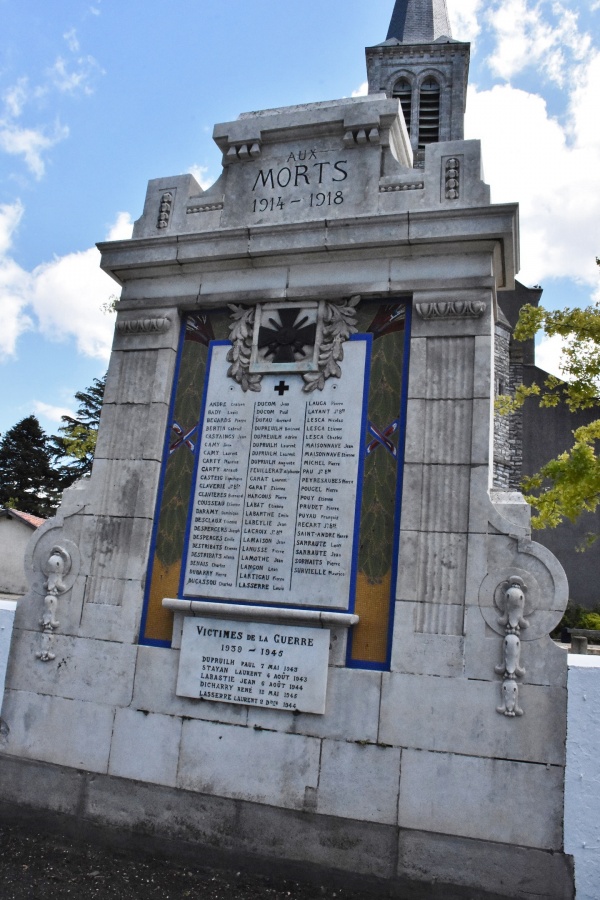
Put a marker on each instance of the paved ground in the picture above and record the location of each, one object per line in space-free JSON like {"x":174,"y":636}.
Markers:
{"x":36,"y":866}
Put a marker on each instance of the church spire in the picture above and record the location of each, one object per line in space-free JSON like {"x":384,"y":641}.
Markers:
{"x":419,"y":21}
{"x":422,"y":66}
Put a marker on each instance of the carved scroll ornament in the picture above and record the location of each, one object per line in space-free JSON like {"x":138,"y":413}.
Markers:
{"x":510,"y":600}
{"x":58,"y":565}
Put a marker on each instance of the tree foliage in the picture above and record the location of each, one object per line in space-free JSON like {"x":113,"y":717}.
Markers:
{"x":568,"y":485}
{"x":74,"y":446}
{"x":28,"y":480}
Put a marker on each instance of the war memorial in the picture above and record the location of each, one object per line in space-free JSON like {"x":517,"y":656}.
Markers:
{"x":289,"y":618}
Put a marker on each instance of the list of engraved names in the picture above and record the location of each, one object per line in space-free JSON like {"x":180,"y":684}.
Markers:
{"x":276,"y":490}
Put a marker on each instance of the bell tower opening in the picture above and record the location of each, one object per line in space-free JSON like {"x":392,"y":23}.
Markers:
{"x":429,"y":113}
{"x":403,"y":91}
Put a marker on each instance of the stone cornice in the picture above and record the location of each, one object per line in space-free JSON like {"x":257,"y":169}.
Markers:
{"x":128,"y":259}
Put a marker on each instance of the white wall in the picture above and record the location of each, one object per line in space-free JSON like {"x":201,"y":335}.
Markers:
{"x":582,"y":778}
{"x":7,"y":615}
{"x":14,"y":537}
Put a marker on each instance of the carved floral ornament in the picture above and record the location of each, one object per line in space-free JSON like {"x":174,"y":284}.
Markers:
{"x":304,"y":338}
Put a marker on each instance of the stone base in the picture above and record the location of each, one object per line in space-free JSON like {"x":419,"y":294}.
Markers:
{"x":382,"y":859}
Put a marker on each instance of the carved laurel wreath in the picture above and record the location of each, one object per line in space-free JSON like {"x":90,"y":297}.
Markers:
{"x":240,"y":335}
{"x":339,"y":323}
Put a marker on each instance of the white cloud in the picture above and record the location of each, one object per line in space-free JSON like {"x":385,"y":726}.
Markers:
{"x":72,"y":40}
{"x":465,"y":18}
{"x":69,"y":78}
{"x":15,"y":97}
{"x":552,"y":170}
{"x":53,"y":413}
{"x":10,"y":216}
{"x":30,"y":143}
{"x":61,"y":299}
{"x":362,"y":90}
{"x":13,"y":283}
{"x":548,"y":354}
{"x":66,"y":296}
{"x":201,"y":176}
{"x":543,"y":34}
{"x":121,"y":229}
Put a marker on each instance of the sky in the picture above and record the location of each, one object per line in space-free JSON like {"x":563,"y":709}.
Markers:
{"x":99,"y":96}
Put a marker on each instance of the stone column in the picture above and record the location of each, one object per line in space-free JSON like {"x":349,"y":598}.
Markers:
{"x":447,"y":439}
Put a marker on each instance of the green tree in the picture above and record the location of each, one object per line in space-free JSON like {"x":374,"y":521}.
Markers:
{"x":74,"y":446}
{"x":28,"y":480}
{"x":569,"y":484}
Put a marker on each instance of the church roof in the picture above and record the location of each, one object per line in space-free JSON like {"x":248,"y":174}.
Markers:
{"x":419,"y":21}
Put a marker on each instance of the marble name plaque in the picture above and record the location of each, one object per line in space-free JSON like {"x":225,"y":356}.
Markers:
{"x":255,"y":664}
{"x":276,"y":491}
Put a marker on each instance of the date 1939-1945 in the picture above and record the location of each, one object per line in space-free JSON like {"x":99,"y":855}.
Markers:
{"x":322,"y":198}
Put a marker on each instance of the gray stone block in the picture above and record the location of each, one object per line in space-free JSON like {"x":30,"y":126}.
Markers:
{"x":145,"y":747}
{"x":423,"y":654}
{"x":266,"y":282}
{"x":38,"y":785}
{"x":114,"y":547}
{"x":153,"y":809}
{"x":248,"y":763}
{"x":481,"y":866}
{"x":360,"y":276}
{"x":139,"y":376}
{"x":459,"y":716}
{"x":359,"y":782}
{"x":112,"y":610}
{"x":124,"y":488}
{"x":52,"y":729}
{"x":514,"y":803}
{"x":90,"y":670}
{"x":132,"y":431}
{"x":450,"y":269}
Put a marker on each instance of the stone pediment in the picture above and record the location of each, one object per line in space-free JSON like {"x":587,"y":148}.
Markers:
{"x":317,"y":162}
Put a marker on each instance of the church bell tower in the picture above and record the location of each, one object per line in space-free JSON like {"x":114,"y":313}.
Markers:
{"x":421,"y":65}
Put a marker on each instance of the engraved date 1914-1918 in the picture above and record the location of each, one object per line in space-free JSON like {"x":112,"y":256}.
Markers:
{"x":289,"y":177}
{"x":319,"y":199}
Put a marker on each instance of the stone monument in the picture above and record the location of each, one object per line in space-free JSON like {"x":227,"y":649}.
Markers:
{"x":287,"y":618}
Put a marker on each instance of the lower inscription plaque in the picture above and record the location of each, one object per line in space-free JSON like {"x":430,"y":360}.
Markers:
{"x":273,"y":666}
